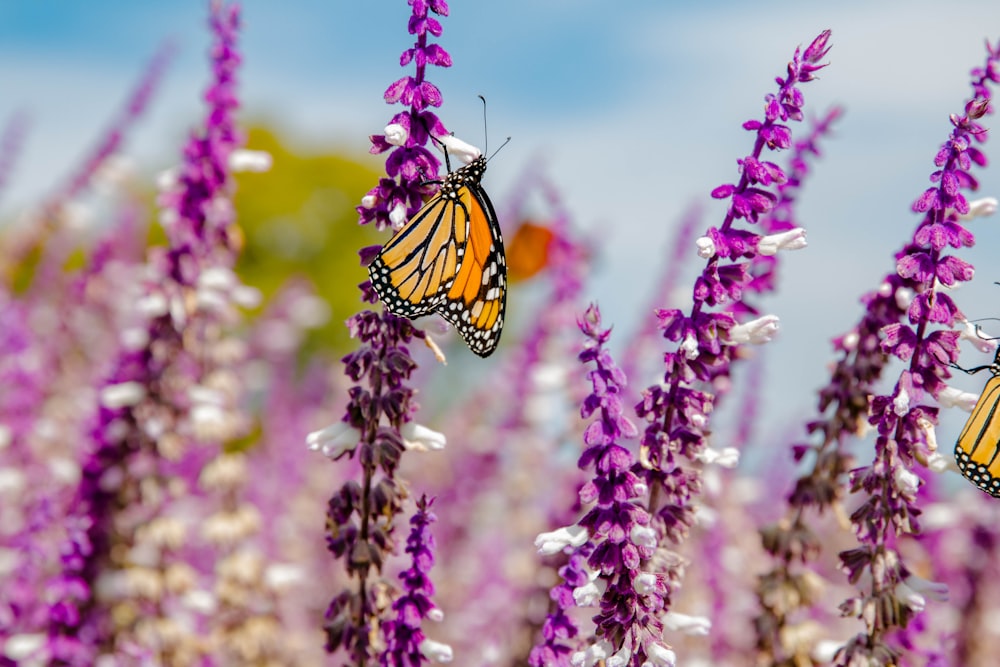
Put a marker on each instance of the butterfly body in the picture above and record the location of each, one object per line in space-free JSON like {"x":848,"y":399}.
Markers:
{"x":977,"y":451}
{"x":449,"y":259}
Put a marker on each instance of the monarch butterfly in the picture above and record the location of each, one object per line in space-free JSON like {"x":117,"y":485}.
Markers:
{"x":449,"y":259}
{"x":978,"y":446}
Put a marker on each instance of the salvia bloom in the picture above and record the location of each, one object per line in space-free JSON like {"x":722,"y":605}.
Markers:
{"x":360,"y":515}
{"x":410,"y":163}
{"x":149,"y":406}
{"x":406,"y":640}
{"x":904,"y":423}
{"x":380,"y":404}
{"x":677,"y":410}
{"x":783,"y":231}
{"x":614,"y":535}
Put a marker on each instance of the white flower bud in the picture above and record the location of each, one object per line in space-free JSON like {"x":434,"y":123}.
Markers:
{"x":727,"y":458}
{"x":396,"y":134}
{"x":421,"y":439}
{"x":397,"y":216}
{"x":706,"y":248}
{"x":243,"y":159}
{"x":557,"y":540}
{"x":950,"y":397}
{"x":122,"y":395}
{"x":793,"y":239}
{"x":689,"y":625}
{"x":980,"y":208}
{"x":436,"y":651}
{"x":754,"y":332}
{"x":456,"y":148}
{"x":334,"y":440}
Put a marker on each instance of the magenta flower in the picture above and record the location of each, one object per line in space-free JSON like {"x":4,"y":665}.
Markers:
{"x":904,"y":423}
{"x":614,"y":535}
{"x":407,"y":643}
{"x":377,"y":425}
{"x":784,"y":232}
{"x":146,"y":401}
{"x":677,"y":410}
{"x":410,"y":163}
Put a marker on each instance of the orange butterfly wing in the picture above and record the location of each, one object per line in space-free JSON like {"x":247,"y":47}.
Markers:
{"x":449,"y":259}
{"x":979,"y":442}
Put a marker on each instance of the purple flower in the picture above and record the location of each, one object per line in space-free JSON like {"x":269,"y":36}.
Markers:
{"x":410,"y":164}
{"x":360,"y":515}
{"x":903,"y":422}
{"x":677,"y":410}
{"x":380,"y":404}
{"x":148,"y":403}
{"x":196,"y":196}
{"x":406,"y":641}
{"x":617,"y":541}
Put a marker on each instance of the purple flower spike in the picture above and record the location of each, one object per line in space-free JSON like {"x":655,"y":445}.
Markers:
{"x":377,"y":424}
{"x":612,"y":541}
{"x":903,"y":422}
{"x":148,"y":405}
{"x":677,"y":410}
{"x":379,"y":406}
{"x":410,"y":163}
{"x":618,"y":525}
{"x":614,"y":536}
{"x":406,"y":644}
{"x":200,"y":222}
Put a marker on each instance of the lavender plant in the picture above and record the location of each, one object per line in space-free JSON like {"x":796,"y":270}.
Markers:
{"x":677,"y":410}
{"x":625,"y":538}
{"x":889,"y":592}
{"x":162,"y":403}
{"x":361,"y":514}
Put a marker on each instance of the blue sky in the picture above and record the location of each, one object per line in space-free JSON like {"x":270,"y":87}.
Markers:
{"x":633,"y":108}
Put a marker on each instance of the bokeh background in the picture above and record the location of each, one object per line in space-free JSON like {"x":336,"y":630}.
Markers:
{"x":633,"y":111}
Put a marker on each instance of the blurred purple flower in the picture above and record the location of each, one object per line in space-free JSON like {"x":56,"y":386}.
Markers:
{"x":143,"y":399}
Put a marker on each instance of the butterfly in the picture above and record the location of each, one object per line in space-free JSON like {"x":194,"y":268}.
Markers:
{"x":449,"y":259}
{"x":530,"y":250}
{"x":978,"y":446}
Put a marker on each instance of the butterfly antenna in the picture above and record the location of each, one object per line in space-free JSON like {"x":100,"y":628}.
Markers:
{"x":979,"y":329}
{"x":444,"y":149}
{"x":486,"y":134}
{"x":498,"y":150}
